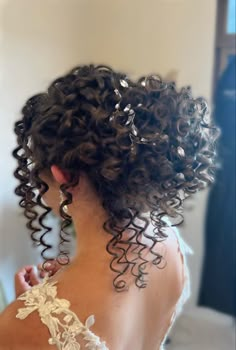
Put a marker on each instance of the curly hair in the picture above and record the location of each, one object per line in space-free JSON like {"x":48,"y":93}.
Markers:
{"x":143,"y":145}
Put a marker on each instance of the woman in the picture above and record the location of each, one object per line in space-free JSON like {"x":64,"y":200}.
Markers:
{"x":115,"y":157}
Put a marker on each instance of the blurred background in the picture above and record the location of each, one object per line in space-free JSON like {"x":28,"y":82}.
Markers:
{"x":189,"y":41}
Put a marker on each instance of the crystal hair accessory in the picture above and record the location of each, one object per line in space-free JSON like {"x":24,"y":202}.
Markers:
{"x":134,"y":134}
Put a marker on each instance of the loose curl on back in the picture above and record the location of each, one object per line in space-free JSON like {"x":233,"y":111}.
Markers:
{"x":144,"y":146}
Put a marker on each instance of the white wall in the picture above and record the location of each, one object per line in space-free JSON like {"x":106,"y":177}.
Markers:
{"x":42,"y":39}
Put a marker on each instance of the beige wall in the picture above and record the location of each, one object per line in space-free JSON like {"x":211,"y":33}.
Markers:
{"x":41,"y":39}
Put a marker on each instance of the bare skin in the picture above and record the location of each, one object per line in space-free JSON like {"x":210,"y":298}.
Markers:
{"x":137,"y":319}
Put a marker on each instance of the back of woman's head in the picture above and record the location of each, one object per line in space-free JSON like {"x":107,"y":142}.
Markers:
{"x":142,"y":144}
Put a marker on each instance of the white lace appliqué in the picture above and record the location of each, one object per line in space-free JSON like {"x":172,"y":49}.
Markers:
{"x":65,"y":329}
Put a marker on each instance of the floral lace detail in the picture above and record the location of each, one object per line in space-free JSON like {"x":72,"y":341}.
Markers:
{"x":63,"y":331}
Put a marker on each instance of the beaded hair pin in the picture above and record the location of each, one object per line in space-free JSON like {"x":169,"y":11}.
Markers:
{"x":134,"y":132}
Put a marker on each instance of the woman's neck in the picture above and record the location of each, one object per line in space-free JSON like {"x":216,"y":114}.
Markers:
{"x":88,"y":222}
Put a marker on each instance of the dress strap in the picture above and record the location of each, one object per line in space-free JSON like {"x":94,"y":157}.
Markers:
{"x":64,"y":326}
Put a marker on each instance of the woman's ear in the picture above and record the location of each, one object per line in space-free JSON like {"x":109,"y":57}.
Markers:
{"x":60,"y":176}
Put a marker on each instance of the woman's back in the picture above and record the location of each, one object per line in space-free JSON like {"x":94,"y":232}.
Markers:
{"x":102,"y":150}
{"x":136,"y":319}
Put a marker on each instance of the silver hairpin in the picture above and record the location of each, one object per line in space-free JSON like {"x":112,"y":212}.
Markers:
{"x":111,"y":118}
{"x":134,"y":130}
{"x":134,"y":137}
{"x":124,"y":83}
{"x":127,"y":108}
{"x":117,"y":92}
{"x":180,"y":152}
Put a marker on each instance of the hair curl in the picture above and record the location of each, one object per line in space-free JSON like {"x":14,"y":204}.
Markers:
{"x":144,"y":146}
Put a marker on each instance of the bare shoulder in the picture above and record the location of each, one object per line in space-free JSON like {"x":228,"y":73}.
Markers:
{"x":169,"y":275}
{"x":15,"y":333}
{"x":175,"y":256}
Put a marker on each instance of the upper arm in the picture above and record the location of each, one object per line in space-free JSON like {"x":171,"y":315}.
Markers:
{"x":10,"y":329}
{"x":6,"y":327}
{"x":14,"y":331}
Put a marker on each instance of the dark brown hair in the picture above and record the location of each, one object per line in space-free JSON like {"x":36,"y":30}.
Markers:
{"x":144,"y":146}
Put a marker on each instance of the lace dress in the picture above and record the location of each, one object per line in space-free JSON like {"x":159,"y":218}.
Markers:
{"x":63,"y":324}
